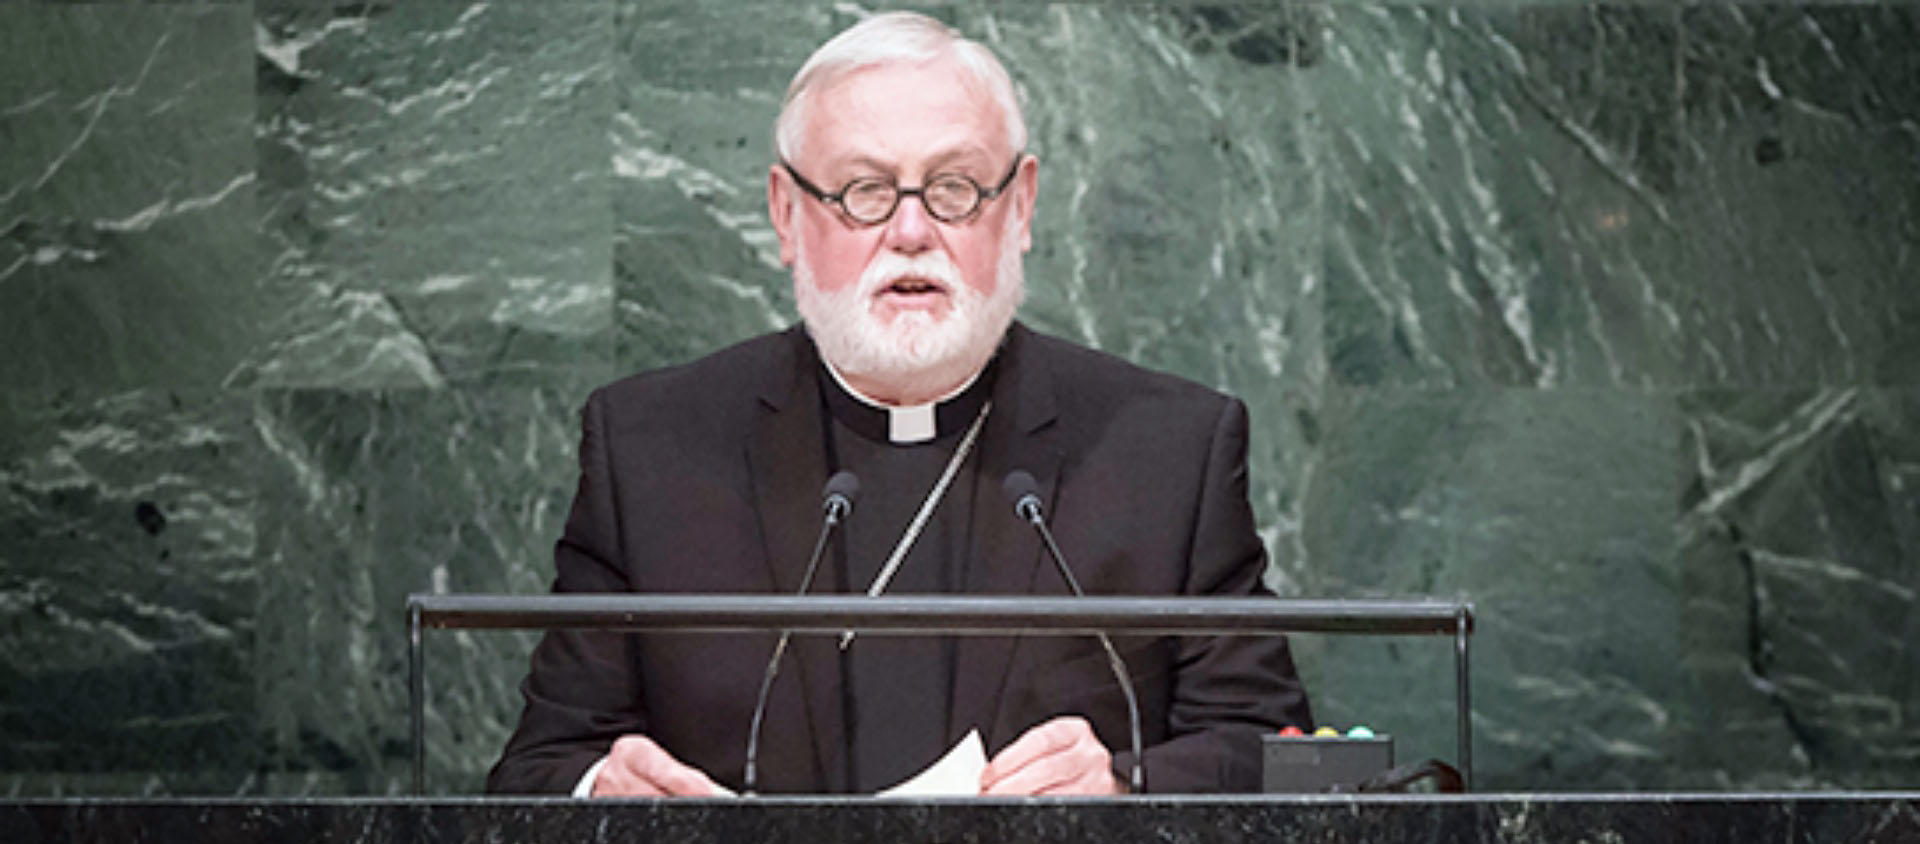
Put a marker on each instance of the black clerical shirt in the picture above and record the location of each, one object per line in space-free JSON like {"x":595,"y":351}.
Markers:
{"x":898,"y":690}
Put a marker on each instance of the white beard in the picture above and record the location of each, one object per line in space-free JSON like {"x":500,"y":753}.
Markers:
{"x":916,"y":352}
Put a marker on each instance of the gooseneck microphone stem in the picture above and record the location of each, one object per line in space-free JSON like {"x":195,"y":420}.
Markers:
{"x":1136,"y":776}
{"x":1027,"y":506}
{"x":840,"y":490}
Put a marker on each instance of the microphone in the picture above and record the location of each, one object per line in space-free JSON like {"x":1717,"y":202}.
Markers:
{"x":836,"y":504}
{"x":1024,"y":492}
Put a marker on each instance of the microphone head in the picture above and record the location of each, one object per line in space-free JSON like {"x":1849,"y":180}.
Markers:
{"x":840,"y":492}
{"x":1023,"y":492}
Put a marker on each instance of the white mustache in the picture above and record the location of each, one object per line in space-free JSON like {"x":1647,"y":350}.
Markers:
{"x":890,"y":267}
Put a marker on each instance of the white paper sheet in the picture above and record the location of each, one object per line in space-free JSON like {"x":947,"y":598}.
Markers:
{"x":956,"y":774}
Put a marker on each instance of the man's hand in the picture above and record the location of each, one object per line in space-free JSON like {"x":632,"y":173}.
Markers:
{"x":1061,"y":756}
{"x":636,"y":767}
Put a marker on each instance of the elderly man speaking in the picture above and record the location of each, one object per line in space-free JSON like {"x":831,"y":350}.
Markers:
{"x":903,"y":196}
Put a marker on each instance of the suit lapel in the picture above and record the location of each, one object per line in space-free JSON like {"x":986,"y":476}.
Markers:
{"x":788,"y":466}
{"x":1007,"y":553}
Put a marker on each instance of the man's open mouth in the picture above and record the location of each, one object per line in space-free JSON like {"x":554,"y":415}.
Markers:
{"x":913,"y":287}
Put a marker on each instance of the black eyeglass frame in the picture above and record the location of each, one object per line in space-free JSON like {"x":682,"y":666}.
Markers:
{"x":982,"y":194}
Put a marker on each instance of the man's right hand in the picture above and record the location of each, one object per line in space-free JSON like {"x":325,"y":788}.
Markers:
{"x":636,"y":767}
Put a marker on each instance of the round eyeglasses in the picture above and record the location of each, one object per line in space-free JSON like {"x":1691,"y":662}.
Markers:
{"x":870,"y":200}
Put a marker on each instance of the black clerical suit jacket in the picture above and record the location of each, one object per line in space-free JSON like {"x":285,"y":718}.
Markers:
{"x":707,"y":478}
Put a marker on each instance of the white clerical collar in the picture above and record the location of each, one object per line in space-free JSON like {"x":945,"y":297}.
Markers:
{"x":906,"y":424}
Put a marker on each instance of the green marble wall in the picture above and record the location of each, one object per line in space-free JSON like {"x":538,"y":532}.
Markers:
{"x":1604,"y":316}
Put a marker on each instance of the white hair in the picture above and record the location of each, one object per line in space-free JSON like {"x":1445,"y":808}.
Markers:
{"x":881,"y":39}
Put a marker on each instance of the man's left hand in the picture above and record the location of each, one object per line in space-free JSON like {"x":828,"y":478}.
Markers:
{"x":1061,"y":756}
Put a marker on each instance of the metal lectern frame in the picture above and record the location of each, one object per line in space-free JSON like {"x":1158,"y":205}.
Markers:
{"x":964,"y":615}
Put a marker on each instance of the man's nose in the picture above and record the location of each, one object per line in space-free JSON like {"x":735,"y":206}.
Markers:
{"x":911,"y":229}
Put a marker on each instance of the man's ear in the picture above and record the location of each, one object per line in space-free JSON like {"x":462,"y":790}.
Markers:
{"x":780,"y":211}
{"x":1026,"y":192}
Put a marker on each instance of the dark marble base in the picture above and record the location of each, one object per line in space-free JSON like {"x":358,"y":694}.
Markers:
{"x":1515,"y":818}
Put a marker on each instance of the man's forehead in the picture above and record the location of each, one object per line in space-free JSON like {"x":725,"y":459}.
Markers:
{"x":850,"y":157}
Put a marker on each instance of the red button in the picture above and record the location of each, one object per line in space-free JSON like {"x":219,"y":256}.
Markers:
{"x":1291,"y":731}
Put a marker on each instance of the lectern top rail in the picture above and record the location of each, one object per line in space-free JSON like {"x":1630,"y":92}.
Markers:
{"x":946,"y":614}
